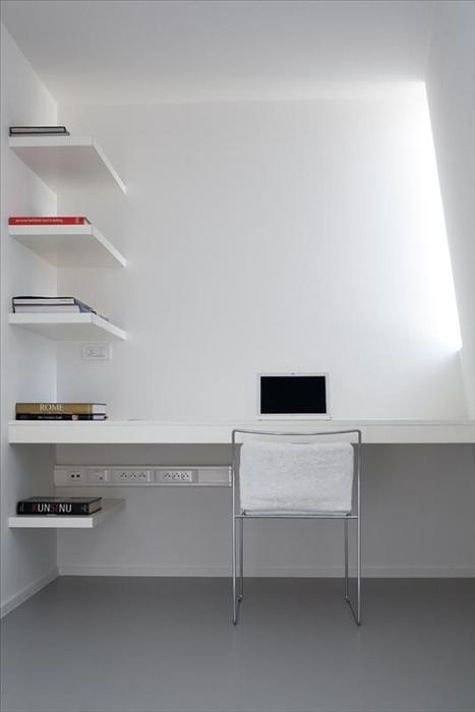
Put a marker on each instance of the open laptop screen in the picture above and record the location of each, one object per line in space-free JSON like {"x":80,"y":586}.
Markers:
{"x":293,"y":394}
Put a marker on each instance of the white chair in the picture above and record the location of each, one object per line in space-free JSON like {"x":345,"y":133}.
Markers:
{"x":289,"y":479}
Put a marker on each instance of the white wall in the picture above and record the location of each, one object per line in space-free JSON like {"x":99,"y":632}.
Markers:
{"x":418,"y":520}
{"x":273,"y":236}
{"x":270,"y":237}
{"x":450,"y":82}
{"x":28,"y":362}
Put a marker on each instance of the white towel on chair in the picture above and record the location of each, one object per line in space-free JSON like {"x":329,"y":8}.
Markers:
{"x":296,"y":477}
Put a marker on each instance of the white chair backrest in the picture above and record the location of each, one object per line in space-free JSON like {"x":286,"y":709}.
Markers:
{"x":289,"y":477}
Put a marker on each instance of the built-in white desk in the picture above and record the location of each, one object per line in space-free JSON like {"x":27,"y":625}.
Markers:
{"x":136,"y":432}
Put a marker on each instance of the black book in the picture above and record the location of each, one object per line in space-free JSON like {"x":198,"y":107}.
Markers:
{"x":65,"y":506}
{"x":60,"y":416}
{"x":50,"y":309}
{"x":38,"y":131}
{"x":38,"y":304}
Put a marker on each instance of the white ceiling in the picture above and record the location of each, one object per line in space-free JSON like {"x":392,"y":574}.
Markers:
{"x":107,"y":51}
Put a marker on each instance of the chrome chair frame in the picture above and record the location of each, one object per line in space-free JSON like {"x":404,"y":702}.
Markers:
{"x":239,"y":516}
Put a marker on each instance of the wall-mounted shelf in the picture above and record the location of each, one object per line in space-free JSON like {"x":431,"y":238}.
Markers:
{"x":89,"y":521}
{"x":63,"y":161}
{"x":69,"y":245}
{"x":155,"y":432}
{"x":69,"y":327}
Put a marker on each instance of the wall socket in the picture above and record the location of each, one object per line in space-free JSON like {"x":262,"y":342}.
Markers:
{"x":97,"y":476}
{"x":142,"y":476}
{"x":132,"y":476}
{"x":175,"y":477}
{"x":76,"y":476}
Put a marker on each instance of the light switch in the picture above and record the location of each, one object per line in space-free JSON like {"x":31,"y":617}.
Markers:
{"x":97,"y":352}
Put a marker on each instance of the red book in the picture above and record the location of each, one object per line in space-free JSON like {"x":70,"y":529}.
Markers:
{"x":49,"y":220}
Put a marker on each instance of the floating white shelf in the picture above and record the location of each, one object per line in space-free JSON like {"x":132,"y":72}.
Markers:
{"x":63,"y":161}
{"x":69,"y":327}
{"x":153,"y":432}
{"x":87,"y":521}
{"x":69,"y":245}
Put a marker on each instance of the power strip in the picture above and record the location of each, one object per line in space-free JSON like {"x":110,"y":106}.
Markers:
{"x":143,"y":476}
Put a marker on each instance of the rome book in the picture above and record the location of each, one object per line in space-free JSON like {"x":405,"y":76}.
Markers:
{"x":46,"y":408}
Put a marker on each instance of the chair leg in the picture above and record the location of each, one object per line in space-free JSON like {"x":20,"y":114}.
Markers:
{"x":347,"y":592}
{"x":241,"y":560}
{"x":358,"y":571}
{"x":235,"y":593}
{"x":356,"y":611}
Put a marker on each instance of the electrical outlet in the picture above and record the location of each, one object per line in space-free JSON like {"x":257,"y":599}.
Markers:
{"x":69,"y":475}
{"x":75,"y":476}
{"x":141,"y":475}
{"x":175,"y":477}
{"x":97,"y":476}
{"x":133,"y":476}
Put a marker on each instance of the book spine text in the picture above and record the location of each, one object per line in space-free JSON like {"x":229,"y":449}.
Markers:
{"x":42,"y":508}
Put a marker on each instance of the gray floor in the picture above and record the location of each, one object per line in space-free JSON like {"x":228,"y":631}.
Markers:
{"x":166,"y":645}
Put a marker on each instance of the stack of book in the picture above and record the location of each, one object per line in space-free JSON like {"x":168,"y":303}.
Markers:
{"x":50,"y":305}
{"x":60,"y":411}
{"x":55,"y":506}
{"x":48,"y":220}
{"x":38,"y":131}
